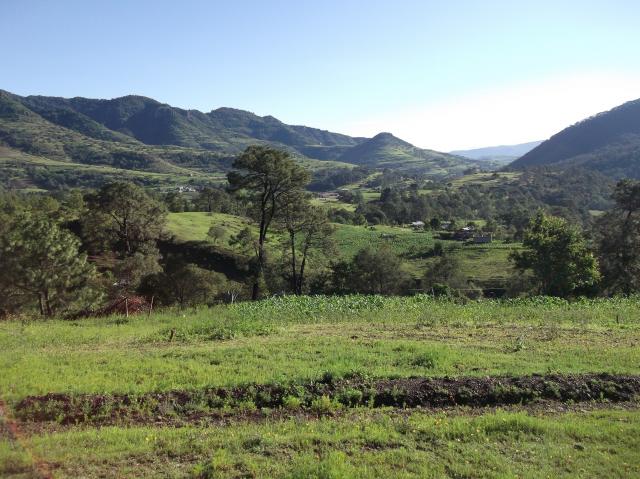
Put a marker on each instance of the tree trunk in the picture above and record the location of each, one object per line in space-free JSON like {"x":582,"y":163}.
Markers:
{"x":303,"y":263}
{"x":255,"y":292}
{"x":47,"y":303}
{"x":294,"y":275}
{"x":41,"y":303}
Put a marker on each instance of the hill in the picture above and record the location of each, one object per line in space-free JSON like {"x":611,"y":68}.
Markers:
{"x":137,"y":133}
{"x":226,"y":130}
{"x":387,"y":151}
{"x":502,"y":153}
{"x":608,"y":142}
{"x":73,"y":138}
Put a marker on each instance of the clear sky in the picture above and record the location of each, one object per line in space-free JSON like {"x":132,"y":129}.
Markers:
{"x":443,"y":75}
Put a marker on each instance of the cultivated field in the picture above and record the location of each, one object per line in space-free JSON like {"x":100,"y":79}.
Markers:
{"x":327,"y":387}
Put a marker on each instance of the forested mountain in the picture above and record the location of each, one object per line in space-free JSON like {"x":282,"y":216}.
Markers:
{"x":142,"y":134}
{"x":154,"y":123}
{"x":64,"y":135}
{"x":502,"y":153}
{"x":608,"y":142}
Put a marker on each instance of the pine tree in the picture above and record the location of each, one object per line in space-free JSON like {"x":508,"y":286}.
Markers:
{"x":43,"y":260}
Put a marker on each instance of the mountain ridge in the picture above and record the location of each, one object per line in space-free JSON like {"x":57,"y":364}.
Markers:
{"x":608,"y":142}
{"x":88,"y":130}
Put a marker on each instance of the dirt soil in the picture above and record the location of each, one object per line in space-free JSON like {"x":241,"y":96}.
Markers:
{"x":329,"y":394}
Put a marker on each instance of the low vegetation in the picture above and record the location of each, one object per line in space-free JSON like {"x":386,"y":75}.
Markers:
{"x":297,"y":385}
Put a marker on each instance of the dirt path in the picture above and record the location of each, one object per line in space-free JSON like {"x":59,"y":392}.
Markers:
{"x":10,"y":430}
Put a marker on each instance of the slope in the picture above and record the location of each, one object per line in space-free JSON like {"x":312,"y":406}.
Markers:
{"x":608,"y":142}
{"x":225,"y":130}
{"x":387,"y":151}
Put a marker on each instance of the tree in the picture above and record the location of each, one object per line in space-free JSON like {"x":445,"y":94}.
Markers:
{"x":445,"y":271}
{"x":131,"y":270}
{"x":184,"y":284}
{"x":308,"y":229}
{"x":619,"y":240}
{"x":206,"y":199}
{"x":43,"y":260}
{"x":558,"y":256}
{"x":124,"y":218}
{"x":268,"y":177}
{"x":216,"y":233}
{"x":372,"y":271}
{"x":176,"y":202}
{"x":215,"y":199}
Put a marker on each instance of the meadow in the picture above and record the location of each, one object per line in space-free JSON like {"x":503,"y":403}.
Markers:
{"x":275,"y":389}
{"x":485,"y":265}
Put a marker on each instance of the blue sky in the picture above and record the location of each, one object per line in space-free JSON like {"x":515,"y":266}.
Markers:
{"x":442,"y":75}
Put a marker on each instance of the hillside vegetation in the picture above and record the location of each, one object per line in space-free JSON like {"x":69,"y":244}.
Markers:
{"x":608,"y":143}
{"x":141,"y":134}
{"x":385,"y":150}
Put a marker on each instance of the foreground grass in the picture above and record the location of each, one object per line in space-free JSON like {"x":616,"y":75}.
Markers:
{"x":364,"y":444}
{"x":289,"y":339}
{"x":304,"y":338}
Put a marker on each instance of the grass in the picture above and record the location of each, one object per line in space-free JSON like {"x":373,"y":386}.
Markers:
{"x":486,"y":179}
{"x":487,"y":264}
{"x":402,"y":241}
{"x":294,"y":339}
{"x":227,"y":346}
{"x":362,"y":445}
{"x":333,"y":204}
{"x":484,"y":265}
{"x":193,"y":226}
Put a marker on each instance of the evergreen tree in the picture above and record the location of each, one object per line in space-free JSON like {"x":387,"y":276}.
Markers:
{"x":308,"y":229}
{"x":122,"y":217}
{"x":268,"y":177}
{"x":43,"y":261}
{"x":619,"y":242}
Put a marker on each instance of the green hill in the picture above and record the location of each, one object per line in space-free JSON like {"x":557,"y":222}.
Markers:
{"x":608,"y":142}
{"x":63,"y":134}
{"x":136,"y":133}
{"x":224,"y":130}
{"x":386,"y":151}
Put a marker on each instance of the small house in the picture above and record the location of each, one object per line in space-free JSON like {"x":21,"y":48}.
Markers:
{"x":417,"y":225}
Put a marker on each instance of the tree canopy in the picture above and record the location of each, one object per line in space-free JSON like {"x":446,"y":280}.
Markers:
{"x":43,"y":261}
{"x":266,"y":177}
{"x":558,"y":256}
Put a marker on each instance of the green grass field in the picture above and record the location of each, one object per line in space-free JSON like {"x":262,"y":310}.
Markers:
{"x":482,"y":264}
{"x":293,"y":340}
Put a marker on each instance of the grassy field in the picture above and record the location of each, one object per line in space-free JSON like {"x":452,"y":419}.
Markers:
{"x":289,"y":341}
{"x":486,"y":179}
{"x":193,"y":226}
{"x":482,"y":264}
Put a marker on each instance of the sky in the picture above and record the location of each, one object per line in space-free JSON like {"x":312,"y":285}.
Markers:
{"x":442,"y":74}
